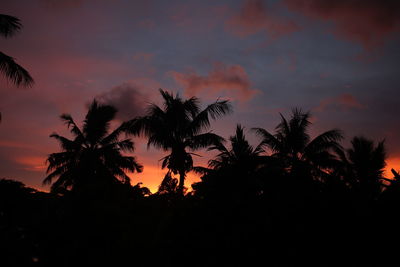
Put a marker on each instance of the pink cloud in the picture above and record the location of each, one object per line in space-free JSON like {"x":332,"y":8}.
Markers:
{"x":254,"y":17}
{"x":367,"y":22}
{"x":229,"y":79}
{"x":344,"y":101}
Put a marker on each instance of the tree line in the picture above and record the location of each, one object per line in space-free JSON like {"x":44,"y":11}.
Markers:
{"x":289,"y":200}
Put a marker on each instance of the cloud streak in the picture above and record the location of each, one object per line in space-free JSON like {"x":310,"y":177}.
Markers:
{"x":344,"y":101}
{"x":230,"y":80}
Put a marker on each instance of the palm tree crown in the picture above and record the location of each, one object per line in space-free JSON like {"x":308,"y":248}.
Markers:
{"x":177,"y":127}
{"x":93,"y":156}
{"x":240,"y":155}
{"x":364,"y":165}
{"x":294,"y":146}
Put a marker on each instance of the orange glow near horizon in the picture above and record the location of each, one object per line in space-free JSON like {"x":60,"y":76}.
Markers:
{"x":392,"y":163}
{"x":153,"y":175}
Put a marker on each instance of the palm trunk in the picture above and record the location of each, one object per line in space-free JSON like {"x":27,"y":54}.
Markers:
{"x":181,"y":182}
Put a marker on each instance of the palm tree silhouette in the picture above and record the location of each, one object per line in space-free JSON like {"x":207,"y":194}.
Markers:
{"x":169,"y":185}
{"x":364,"y":166}
{"x":292,"y":144}
{"x":241,"y":154}
{"x":232,"y":171}
{"x":178,"y":127}
{"x":9,"y":26}
{"x":93,"y":157}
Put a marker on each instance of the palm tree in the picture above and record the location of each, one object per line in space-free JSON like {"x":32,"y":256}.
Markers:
{"x":9,"y":26}
{"x":364,"y":166}
{"x":232,"y":171}
{"x":93,"y":157}
{"x":169,"y":185}
{"x":293,"y":145}
{"x":178,"y":127}
{"x":241,"y":155}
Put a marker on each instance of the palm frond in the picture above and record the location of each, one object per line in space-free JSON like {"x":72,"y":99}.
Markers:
{"x":65,"y":143}
{"x":9,"y":25}
{"x":328,"y":140}
{"x":72,"y":125}
{"x":268,"y":140}
{"x":112,"y":137}
{"x":126,"y":145}
{"x":14,"y":72}
{"x":204,"y":140}
{"x":215,"y":110}
{"x":192,"y":106}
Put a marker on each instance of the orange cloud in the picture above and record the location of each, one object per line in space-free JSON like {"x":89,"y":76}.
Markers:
{"x":31,"y":163}
{"x":254,"y":17}
{"x":345,"y":101}
{"x":367,"y":22}
{"x":229,"y":79}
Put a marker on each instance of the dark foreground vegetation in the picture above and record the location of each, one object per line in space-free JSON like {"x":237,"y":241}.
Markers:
{"x":289,"y":201}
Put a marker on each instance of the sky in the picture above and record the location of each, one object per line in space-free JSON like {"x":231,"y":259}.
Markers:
{"x":337,"y":59}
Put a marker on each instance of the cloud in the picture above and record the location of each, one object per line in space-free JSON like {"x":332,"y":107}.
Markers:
{"x":367,"y":22}
{"x":254,"y":17}
{"x":229,"y":79}
{"x":128,"y":98}
{"x":344,"y":101}
{"x":32,"y":163}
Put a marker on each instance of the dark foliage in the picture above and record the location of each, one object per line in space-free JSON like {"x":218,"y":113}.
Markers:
{"x":93,"y":161}
{"x":289,"y":201}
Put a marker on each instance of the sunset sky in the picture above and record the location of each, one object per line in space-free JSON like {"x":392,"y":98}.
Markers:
{"x":338,"y":59}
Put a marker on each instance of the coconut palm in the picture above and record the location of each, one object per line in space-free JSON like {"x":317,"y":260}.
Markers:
{"x":364,"y":166}
{"x":9,"y":26}
{"x":177,"y":127}
{"x":232,"y":171}
{"x":293,"y":145}
{"x":241,"y":155}
{"x":93,"y":157}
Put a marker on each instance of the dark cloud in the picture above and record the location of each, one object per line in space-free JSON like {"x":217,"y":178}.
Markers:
{"x":128,"y":98}
{"x":367,"y":22}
